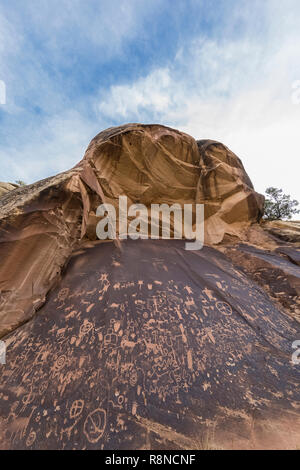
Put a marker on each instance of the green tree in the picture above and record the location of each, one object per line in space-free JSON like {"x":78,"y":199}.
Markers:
{"x":20,"y":183}
{"x":279,"y":206}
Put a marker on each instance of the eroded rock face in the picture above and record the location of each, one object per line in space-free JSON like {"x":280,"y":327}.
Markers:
{"x":41,"y":224}
{"x":5,"y":187}
{"x":155,"y":164}
{"x":39,"y":227}
{"x":143,"y":344}
{"x":286,"y":231}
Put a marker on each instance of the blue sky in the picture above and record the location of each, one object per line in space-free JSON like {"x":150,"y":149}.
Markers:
{"x":220,"y":69}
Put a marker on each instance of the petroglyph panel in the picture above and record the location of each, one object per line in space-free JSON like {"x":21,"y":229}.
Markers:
{"x":125,"y":340}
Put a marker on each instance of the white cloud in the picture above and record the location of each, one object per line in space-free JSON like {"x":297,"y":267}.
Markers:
{"x":43,"y":130}
{"x":80,"y":26}
{"x":55,"y":145}
{"x":150,"y":93}
{"x":232,"y":84}
{"x":235,"y":91}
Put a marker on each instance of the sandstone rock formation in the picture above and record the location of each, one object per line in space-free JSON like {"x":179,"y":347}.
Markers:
{"x":286,"y":231}
{"x":141,"y":344}
{"x":5,"y":187}
{"x":42,"y":223}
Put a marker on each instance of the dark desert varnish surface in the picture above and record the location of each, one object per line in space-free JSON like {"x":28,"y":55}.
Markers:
{"x":155,"y":347}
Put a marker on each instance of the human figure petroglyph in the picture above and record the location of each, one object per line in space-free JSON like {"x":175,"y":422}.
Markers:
{"x":63,"y":294}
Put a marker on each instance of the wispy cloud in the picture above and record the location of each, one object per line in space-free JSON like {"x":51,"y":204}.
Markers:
{"x":235,"y":91}
{"x":220,"y":69}
{"x":52,"y":57}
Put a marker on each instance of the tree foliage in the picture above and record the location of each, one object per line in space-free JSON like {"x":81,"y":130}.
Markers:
{"x":279,"y":206}
{"x":20,"y":183}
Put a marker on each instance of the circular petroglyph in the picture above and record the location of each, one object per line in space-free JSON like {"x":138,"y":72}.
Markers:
{"x":121,"y":400}
{"x":76,"y":409}
{"x":133,"y":377}
{"x":94,"y":425}
{"x":60,"y":362}
{"x":85,"y":328}
{"x":224,"y":308}
{"x":31,"y":439}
